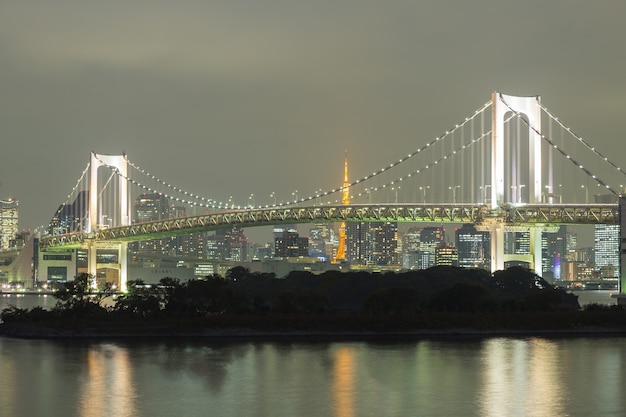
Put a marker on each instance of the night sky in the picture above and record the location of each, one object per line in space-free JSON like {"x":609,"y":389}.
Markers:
{"x":246,"y":96}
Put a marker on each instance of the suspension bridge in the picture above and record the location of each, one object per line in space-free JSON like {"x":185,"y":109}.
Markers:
{"x":511,"y":165}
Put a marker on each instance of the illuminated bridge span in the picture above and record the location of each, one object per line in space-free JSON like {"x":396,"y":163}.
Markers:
{"x":510,"y":166}
{"x":544,"y":216}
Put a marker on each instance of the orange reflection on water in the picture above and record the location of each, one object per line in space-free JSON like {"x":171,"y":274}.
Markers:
{"x":521,"y":377}
{"x":343,"y":382}
{"x":108,"y":389}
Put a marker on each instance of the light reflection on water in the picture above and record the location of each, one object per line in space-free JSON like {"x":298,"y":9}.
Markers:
{"x":446,"y":377}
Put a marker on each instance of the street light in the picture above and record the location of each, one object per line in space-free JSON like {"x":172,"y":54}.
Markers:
{"x":484,"y":192}
{"x":548,"y":194}
{"x":396,"y":190}
{"x":453,"y":188}
{"x":251,"y":200}
{"x":586,"y":193}
{"x":273,"y":195}
{"x":424,"y":194}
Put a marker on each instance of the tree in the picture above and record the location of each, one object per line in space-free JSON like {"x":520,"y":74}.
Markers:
{"x":78,"y":295}
{"x":141,"y":300}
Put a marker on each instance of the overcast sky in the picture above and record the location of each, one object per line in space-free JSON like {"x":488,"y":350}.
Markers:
{"x":253,"y":96}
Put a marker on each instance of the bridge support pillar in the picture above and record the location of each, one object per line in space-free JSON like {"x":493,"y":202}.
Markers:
{"x":123,"y":259}
{"x":497,"y":246}
{"x":92,"y":263}
{"x":535,"y":249}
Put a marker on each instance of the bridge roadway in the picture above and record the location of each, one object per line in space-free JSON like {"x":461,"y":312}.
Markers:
{"x":526,"y":215}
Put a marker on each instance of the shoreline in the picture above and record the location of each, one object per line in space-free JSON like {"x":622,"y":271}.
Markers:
{"x":24,"y":331}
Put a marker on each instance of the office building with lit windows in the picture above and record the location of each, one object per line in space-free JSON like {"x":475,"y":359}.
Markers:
{"x":474,"y":247}
{"x":607,"y":249}
{"x":8,"y":223}
{"x":430,"y":239}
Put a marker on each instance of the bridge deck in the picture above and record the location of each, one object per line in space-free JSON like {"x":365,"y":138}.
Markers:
{"x":526,"y":215}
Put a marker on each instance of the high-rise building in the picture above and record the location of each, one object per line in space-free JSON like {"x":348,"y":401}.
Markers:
{"x":517,"y":243}
{"x":430,"y":238}
{"x":554,"y":252}
{"x":474,"y":247}
{"x":8,"y":223}
{"x":151,"y":207}
{"x":147,"y":208}
{"x":232,"y":244}
{"x":290,"y":245}
{"x":320,"y":236}
{"x":71,"y":217}
{"x":372,"y":243}
{"x":384,"y":236}
{"x":607,"y":249}
{"x":446,"y":255}
{"x":410,"y":248}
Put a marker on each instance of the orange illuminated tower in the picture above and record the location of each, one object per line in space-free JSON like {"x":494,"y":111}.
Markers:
{"x":341,"y":250}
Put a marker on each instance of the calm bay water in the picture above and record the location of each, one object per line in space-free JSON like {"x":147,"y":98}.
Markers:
{"x":455,"y":377}
{"x":430,"y":377}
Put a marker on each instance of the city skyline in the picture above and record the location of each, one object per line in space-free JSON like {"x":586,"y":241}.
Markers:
{"x":233,"y":99}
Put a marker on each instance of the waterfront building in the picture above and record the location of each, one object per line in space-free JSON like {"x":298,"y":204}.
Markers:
{"x":410,"y":248}
{"x":232,"y":244}
{"x":446,"y":255}
{"x":152,"y":207}
{"x":517,"y":242}
{"x":372,"y":243}
{"x":554,"y":253}
{"x":320,"y":236}
{"x":474,"y":247}
{"x":607,"y":249}
{"x":289,"y":244}
{"x":9,"y":215}
{"x":430,"y":238}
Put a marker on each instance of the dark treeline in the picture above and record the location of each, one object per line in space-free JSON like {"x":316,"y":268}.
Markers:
{"x":434,"y":299}
{"x":440,"y":289}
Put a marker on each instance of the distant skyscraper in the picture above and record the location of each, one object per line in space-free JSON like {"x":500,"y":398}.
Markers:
{"x":430,"y":238}
{"x":554,"y":252}
{"x":8,"y":222}
{"x":385,"y":238}
{"x":232,"y":244}
{"x":446,"y":255}
{"x":71,"y":217}
{"x":320,"y":236}
{"x":410,"y":248}
{"x":474,"y":247}
{"x":372,"y":243}
{"x":607,"y":249}
{"x":151,"y":207}
{"x":289,"y":245}
{"x":517,"y":243}
{"x":147,"y":208}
